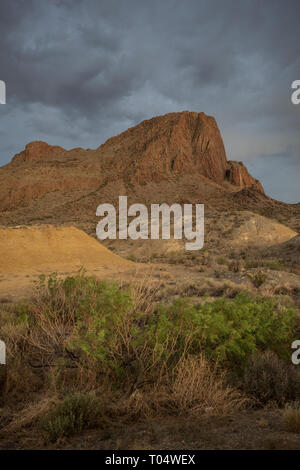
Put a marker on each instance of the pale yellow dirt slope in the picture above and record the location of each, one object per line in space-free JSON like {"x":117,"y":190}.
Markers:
{"x":52,"y":249}
{"x":259,"y":230}
{"x":27,"y":252}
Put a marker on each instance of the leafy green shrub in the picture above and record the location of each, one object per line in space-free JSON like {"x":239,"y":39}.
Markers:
{"x":225,"y":331}
{"x":267,"y":378}
{"x":74,"y":414}
{"x":111,"y":332}
{"x":101,"y":318}
{"x":74,"y":294}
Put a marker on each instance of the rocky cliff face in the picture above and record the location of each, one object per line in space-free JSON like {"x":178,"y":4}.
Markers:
{"x":177,"y":149}
{"x":169,"y":145}
{"x":237,"y":174}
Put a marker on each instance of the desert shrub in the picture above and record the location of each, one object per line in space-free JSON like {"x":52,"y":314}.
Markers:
{"x":78,"y":331}
{"x":77,"y":324}
{"x":70,"y":296}
{"x":86,"y":331}
{"x":258,"y":279}
{"x":227,"y":331}
{"x":291,"y":417}
{"x":276,"y":265}
{"x":193,"y":387}
{"x":198,"y":386}
{"x":235,"y":266}
{"x":70,"y":416}
{"x":267,"y":378}
{"x":253,"y":263}
{"x":100,"y":318}
{"x":92,"y":311}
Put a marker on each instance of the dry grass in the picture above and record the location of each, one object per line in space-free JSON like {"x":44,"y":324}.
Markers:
{"x":291,"y":416}
{"x":197,"y":386}
{"x":193,"y":388}
{"x":269,"y":379}
{"x":29,"y":415}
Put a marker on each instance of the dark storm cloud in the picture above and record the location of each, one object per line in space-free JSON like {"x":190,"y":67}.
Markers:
{"x":78,"y":72}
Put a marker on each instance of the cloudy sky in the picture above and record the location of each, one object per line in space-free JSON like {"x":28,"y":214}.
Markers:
{"x":79,"y":71}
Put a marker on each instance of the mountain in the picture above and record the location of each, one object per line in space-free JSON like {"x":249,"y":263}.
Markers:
{"x":178,"y":157}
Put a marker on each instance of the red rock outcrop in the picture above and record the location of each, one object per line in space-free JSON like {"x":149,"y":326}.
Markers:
{"x":172,"y":144}
{"x":237,"y":174}
{"x":36,"y":151}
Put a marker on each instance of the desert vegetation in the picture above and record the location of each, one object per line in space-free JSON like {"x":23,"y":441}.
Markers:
{"x":86,"y":354}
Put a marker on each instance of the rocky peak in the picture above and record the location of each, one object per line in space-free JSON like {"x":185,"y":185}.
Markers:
{"x":237,"y":174}
{"x":36,"y":151}
{"x":171,"y":145}
{"x":162,"y":151}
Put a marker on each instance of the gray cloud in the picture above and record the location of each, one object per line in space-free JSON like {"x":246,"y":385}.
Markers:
{"x":78,"y":72}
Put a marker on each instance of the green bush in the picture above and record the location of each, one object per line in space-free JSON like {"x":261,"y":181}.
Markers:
{"x":74,"y":414}
{"x":225,"y":331}
{"x":100,"y":316}
{"x":103,"y":317}
{"x":105,"y":327}
{"x":74,"y":295}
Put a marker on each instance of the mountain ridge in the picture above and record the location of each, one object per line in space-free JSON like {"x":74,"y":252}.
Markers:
{"x":176,"y":157}
{"x":172,"y":143}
